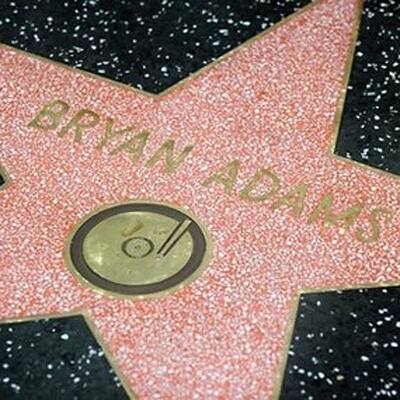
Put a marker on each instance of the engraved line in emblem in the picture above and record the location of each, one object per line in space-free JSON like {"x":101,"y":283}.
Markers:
{"x":132,"y":228}
{"x":175,"y":235}
{"x":133,"y":247}
{"x":169,"y":237}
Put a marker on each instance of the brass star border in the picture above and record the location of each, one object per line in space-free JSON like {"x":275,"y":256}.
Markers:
{"x":290,"y":323}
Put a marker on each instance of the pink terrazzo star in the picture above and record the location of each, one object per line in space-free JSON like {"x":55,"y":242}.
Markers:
{"x":269,"y":105}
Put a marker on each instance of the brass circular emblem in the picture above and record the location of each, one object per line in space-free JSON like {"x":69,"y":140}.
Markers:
{"x":138,"y":249}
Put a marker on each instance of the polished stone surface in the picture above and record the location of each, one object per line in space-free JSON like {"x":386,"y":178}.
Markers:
{"x":345,"y":345}
{"x":370,"y":127}
{"x":56,"y":358}
{"x":149,"y":45}
{"x":269,"y":106}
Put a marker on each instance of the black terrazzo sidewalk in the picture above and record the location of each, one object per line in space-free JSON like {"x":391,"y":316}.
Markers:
{"x":55,"y":359}
{"x":370,"y":127}
{"x":345,"y":345}
{"x":149,"y":45}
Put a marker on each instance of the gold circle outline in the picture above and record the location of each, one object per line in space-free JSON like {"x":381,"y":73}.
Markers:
{"x":201,"y":268}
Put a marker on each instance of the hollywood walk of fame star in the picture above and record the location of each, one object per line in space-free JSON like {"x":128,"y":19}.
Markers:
{"x":271,"y":103}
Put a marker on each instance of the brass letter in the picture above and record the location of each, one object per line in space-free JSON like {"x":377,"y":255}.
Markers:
{"x":134,"y":146}
{"x":373,"y":220}
{"x":324,"y":207}
{"x":170,"y":164}
{"x":50,"y":116}
{"x":110,"y":134}
{"x":227,"y":175}
{"x":245,"y":193}
{"x":82,"y":120}
{"x":294,"y":199}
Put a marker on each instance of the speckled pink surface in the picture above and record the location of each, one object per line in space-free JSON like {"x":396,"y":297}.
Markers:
{"x":271,"y":104}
